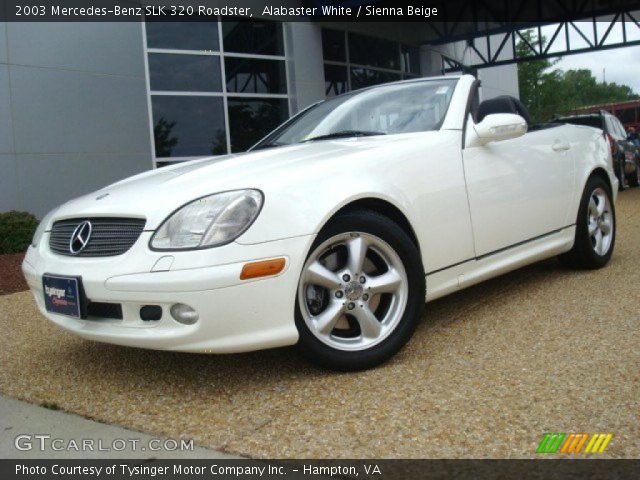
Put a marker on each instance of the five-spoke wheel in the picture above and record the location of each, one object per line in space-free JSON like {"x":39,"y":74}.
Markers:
{"x":600,"y":221}
{"x":360,"y":293}
{"x":595,"y":227}
{"x":353,"y":291}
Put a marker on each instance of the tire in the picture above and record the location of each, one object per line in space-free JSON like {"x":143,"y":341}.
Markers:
{"x":622,"y":177}
{"x":587,"y":252}
{"x":353,"y":320}
{"x":634,"y":180}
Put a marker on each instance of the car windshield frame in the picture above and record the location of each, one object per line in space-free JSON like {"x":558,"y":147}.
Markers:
{"x":271,"y":140}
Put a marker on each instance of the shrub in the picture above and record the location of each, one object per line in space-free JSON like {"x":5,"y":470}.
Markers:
{"x":16,"y":231}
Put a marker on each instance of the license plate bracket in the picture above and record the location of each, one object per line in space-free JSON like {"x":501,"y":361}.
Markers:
{"x":63,"y":295}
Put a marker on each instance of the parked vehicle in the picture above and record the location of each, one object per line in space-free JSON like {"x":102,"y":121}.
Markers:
{"x":623,"y":150}
{"x":332,"y":231}
{"x":634,"y":138}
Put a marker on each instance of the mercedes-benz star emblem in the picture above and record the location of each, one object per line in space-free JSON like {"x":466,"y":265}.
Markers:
{"x":80,"y":237}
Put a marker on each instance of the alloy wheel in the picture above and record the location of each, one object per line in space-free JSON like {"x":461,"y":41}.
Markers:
{"x":600,"y":220}
{"x":353,"y":291}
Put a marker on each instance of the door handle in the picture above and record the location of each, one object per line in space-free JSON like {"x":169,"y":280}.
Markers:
{"x":560,"y":146}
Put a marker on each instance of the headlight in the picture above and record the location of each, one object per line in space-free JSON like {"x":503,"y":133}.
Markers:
{"x":41,"y":228}
{"x":209,"y":221}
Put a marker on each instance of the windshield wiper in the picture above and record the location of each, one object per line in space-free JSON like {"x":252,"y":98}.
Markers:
{"x":344,"y":134}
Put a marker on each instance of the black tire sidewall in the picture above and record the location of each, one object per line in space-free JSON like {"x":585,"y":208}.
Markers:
{"x":635,"y":177}
{"x":622,"y":176}
{"x":589,"y":257}
{"x":384,"y":228}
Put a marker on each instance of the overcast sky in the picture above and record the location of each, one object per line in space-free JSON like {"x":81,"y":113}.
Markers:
{"x":621,"y":65}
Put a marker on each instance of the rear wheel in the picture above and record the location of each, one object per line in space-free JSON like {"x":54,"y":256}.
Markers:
{"x":595,"y":228}
{"x":634,"y":180}
{"x":622,"y":177}
{"x":361,"y":292}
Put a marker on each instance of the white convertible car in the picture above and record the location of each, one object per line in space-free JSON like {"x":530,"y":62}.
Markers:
{"x":332,"y":231}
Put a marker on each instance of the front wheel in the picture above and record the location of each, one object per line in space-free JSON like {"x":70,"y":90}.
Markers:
{"x":361,"y":292}
{"x":595,"y":228}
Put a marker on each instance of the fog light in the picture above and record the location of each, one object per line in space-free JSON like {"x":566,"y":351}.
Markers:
{"x":184,"y":314}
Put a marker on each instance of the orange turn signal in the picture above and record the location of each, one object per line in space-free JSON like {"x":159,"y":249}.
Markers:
{"x":263,"y":268}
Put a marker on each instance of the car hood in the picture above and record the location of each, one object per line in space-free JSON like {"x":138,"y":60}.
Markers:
{"x":156,"y":193}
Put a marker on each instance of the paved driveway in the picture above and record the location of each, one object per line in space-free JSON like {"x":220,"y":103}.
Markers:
{"x":488,"y":372}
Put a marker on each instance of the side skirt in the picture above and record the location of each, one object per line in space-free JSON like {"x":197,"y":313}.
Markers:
{"x":471,"y":272}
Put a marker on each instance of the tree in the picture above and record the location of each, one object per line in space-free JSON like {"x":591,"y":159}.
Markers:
{"x":163,"y":139}
{"x":534,"y":78}
{"x":547,"y":91}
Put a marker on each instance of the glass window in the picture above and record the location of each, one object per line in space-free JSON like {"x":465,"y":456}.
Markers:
{"x":253,"y":36}
{"x":335,"y":80}
{"x":188,"y":126}
{"x":388,"y":109}
{"x":252,"y":119}
{"x":251,"y":75}
{"x":374,"y":52}
{"x":619,"y":128}
{"x":183,"y":35}
{"x":410,"y":59}
{"x":366,"y":77}
{"x":334,"y":45}
{"x":611,"y":126}
{"x":191,"y":73}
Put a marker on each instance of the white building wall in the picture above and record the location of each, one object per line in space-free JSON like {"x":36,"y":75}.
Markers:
{"x":502,"y":80}
{"x":73,"y":110}
{"x":305,"y":64}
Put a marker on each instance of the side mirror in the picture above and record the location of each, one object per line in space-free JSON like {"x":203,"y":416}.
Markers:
{"x":500,"y":126}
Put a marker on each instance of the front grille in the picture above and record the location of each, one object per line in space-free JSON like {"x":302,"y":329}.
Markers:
{"x":109,"y":236}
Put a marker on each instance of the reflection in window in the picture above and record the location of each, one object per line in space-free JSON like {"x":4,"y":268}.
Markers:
{"x":366,"y":77}
{"x":187,"y":88}
{"x":250,"y":75}
{"x":335,"y":80}
{"x":191,"y":73}
{"x":374,"y":52}
{"x":410,"y":59}
{"x":252,"y":119}
{"x":253,"y":36}
{"x":188,"y":126}
{"x":182,"y":35}
{"x":333,"y":45}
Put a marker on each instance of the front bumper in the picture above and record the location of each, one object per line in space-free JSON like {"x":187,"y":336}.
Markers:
{"x":234,"y":315}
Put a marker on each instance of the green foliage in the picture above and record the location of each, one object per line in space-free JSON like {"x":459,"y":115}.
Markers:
{"x":547,"y":91}
{"x":50,"y":405}
{"x":16,"y":231}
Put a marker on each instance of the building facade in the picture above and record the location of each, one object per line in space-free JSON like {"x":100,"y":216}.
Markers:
{"x":85,"y":104}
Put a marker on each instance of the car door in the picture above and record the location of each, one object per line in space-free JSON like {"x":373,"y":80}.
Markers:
{"x":518,"y":189}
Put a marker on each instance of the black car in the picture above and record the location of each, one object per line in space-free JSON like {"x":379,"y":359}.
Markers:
{"x":624,"y":152}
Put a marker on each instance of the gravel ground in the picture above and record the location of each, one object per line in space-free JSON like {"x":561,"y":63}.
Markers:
{"x":486,"y":374}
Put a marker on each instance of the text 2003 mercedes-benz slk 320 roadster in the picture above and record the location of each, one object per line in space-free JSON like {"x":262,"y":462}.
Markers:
{"x":330,"y":232}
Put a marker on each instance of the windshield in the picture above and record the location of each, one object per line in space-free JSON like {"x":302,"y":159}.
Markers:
{"x":382,"y":110}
